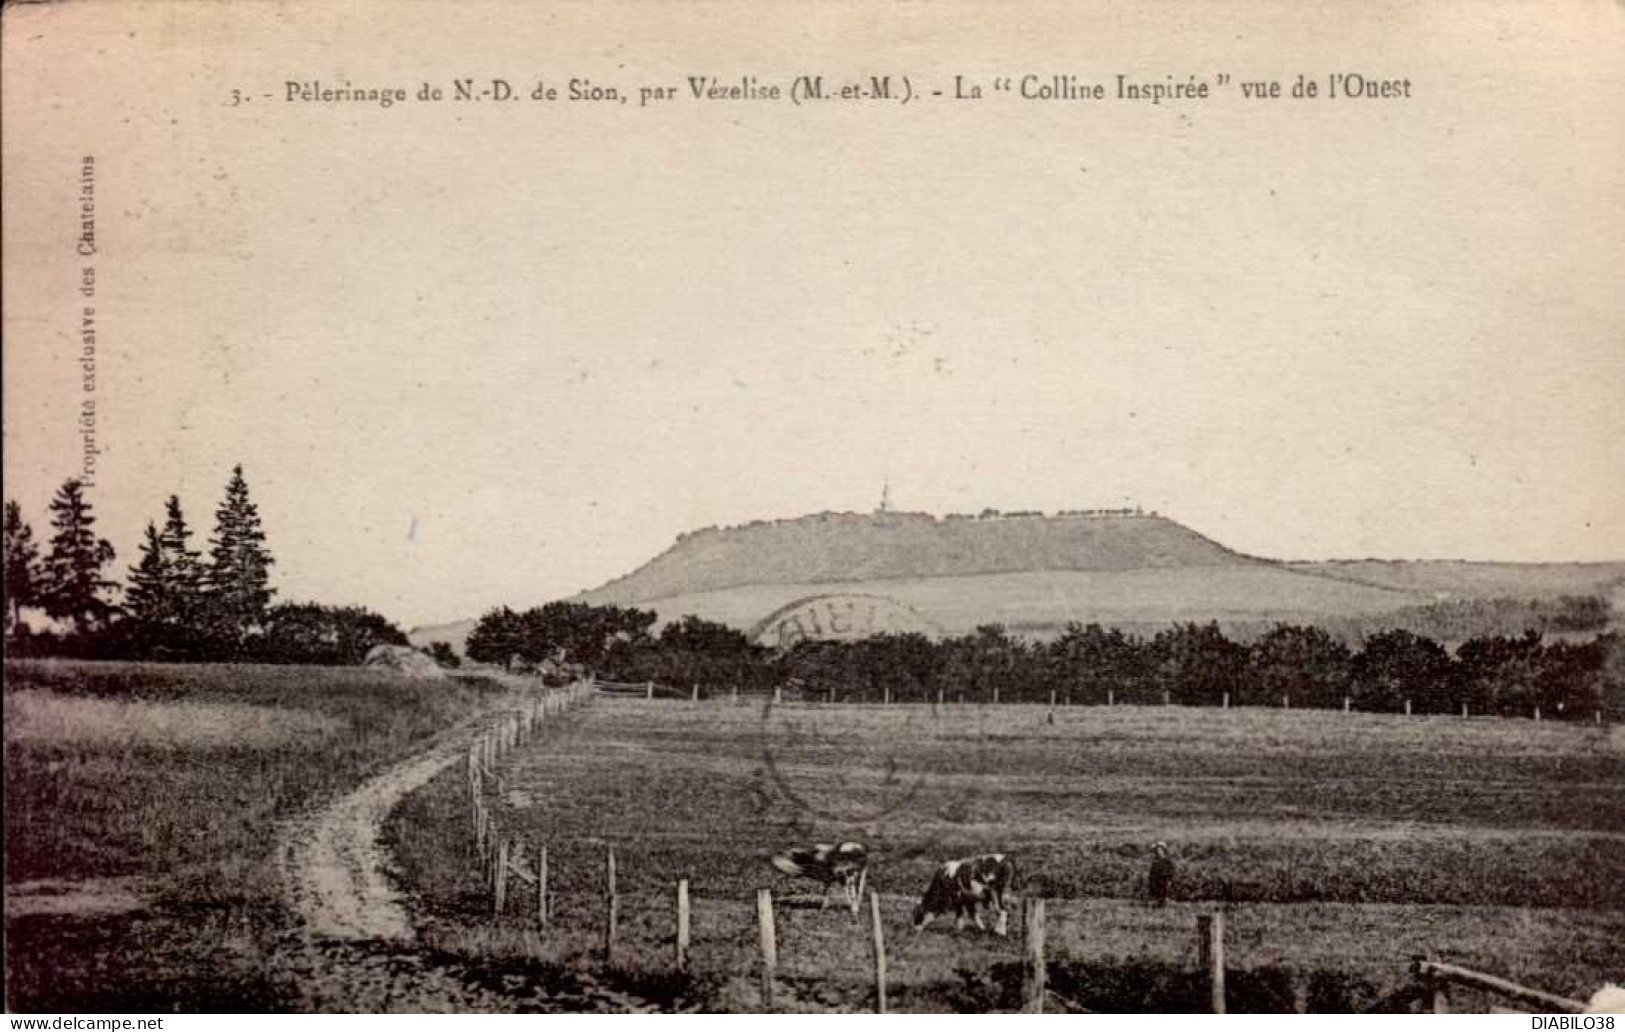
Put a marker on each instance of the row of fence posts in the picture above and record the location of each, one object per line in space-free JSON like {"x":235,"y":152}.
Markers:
{"x":501,"y":857}
{"x":1210,"y":948}
{"x":1111,"y":700}
{"x":1210,"y":932}
{"x":1035,"y":988}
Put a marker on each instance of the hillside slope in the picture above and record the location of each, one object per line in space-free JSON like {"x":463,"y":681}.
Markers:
{"x":1457,"y":579}
{"x":1039,"y":604}
{"x":843,"y":548}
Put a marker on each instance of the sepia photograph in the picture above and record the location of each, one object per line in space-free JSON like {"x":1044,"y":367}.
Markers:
{"x":861,"y":507}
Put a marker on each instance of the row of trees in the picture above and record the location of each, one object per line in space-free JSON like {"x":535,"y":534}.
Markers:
{"x":1196,"y":665}
{"x":1187,"y":664}
{"x":616,"y":643}
{"x":68,"y":582}
{"x":180,"y":603}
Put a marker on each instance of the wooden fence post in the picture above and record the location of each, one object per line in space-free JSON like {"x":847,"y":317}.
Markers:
{"x":1537,"y":714}
{"x":1464,"y":710}
{"x":1052,"y":698}
{"x":1435,"y":998}
{"x":694,"y":695}
{"x":541,"y":886}
{"x":1347,"y":702}
{"x":1210,"y":947}
{"x":1033,"y":932}
{"x":1165,"y":697}
{"x":1111,"y":697}
{"x":778,"y":694}
{"x":733,"y":693}
{"x":649,"y":690}
{"x":1596,"y":717}
{"x":1286,"y":701}
{"x":995,"y":693}
{"x":682,"y":924}
{"x":1226,"y":703}
{"x":885,"y":694}
{"x":501,"y":894}
{"x":612,"y":906}
{"x":1407,"y":707}
{"x":1436,"y":979}
{"x":879,"y":942}
{"x":770,"y":944}
{"x":939,"y":697}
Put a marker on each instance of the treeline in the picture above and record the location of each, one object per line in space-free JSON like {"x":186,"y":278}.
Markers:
{"x":180,"y":603}
{"x":1187,"y":664}
{"x":1197,"y":665}
{"x":900,"y":516}
{"x":568,"y":638}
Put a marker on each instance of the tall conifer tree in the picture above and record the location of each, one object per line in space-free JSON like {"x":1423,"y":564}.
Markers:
{"x":73,"y":570}
{"x":183,"y":567}
{"x":239,"y":564}
{"x":148,"y":599}
{"x":24,"y":575}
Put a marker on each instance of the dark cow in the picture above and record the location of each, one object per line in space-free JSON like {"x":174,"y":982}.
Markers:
{"x":845,"y":864}
{"x":962,"y":887}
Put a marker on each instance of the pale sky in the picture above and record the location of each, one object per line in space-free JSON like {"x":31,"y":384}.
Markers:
{"x":482,"y":354}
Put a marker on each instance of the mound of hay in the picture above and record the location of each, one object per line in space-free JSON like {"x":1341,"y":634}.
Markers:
{"x":404,"y":660}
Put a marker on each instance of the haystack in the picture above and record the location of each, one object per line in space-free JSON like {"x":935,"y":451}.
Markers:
{"x":404,"y":660}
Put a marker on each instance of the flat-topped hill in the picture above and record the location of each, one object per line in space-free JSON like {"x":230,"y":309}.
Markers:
{"x":845,"y":548}
{"x":1035,"y":573}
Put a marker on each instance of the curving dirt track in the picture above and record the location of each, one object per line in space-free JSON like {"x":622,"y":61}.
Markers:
{"x":357,"y":952}
{"x":335,"y":872}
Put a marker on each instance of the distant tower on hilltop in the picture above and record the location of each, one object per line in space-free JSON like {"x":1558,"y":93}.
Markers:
{"x":885,"y":497}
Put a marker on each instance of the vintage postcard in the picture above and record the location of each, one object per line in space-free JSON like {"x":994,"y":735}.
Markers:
{"x":853,"y":506}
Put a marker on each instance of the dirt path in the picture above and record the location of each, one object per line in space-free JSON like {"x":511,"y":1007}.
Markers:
{"x":336,"y":873}
{"x":358,"y":952}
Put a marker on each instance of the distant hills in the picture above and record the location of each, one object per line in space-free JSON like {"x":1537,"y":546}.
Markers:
{"x":1035,"y":573}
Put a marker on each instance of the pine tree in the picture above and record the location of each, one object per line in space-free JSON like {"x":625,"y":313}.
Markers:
{"x":148,"y":599}
{"x":24,"y":575}
{"x":183,"y":568}
{"x":73,"y":571}
{"x":239,"y":564}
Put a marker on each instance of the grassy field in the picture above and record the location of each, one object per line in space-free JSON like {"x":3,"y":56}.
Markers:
{"x":1338,"y":844}
{"x":141,"y":807}
{"x":1436,"y":579}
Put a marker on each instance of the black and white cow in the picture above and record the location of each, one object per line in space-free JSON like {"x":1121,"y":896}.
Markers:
{"x":845,"y":864}
{"x":962,"y":887}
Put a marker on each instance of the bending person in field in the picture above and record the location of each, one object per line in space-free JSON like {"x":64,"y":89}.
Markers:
{"x":1159,"y":881}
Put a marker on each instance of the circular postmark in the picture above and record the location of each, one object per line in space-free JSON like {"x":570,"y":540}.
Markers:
{"x":918,"y":777}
